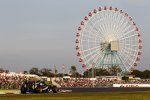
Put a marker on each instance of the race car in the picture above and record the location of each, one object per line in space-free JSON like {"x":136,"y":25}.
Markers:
{"x":37,"y":87}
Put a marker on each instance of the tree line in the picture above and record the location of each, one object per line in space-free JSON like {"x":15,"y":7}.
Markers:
{"x":113,"y":71}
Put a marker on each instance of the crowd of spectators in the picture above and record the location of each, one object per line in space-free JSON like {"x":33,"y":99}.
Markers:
{"x":14,"y":81}
{"x":87,"y":82}
{"x":8,"y":81}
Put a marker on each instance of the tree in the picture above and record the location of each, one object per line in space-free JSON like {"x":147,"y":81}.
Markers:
{"x":34,"y":70}
{"x":102,"y":72}
{"x":77,"y":74}
{"x":25,"y":72}
{"x":125,"y":78}
{"x":146,"y":74}
{"x":2,"y":70}
{"x":114,"y":70}
{"x":137,"y":73}
{"x":97,"y":72}
{"x":62,"y":74}
{"x":46,"y":72}
{"x":55,"y":72}
{"x":86,"y":74}
{"x":7,"y":71}
{"x":73,"y":70}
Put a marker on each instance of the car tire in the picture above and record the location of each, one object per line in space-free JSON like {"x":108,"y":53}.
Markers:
{"x":23,"y":89}
{"x":54,"y":89}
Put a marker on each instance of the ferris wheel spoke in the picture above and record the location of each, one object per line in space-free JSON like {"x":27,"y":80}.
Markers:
{"x":125,"y":44}
{"x":121,"y":24}
{"x":92,"y":33}
{"x":90,"y":49}
{"x":129,"y":38}
{"x":129,"y":56}
{"x":124,"y":57}
{"x":127,"y":28}
{"x":108,"y":23}
{"x":95,"y":42}
{"x":124,"y":67}
{"x":92,"y":57}
{"x":114,"y":25}
{"x":132,"y":48}
{"x":88,"y":33}
{"x":87,"y":36}
{"x":96,"y":58}
{"x":127,"y":49}
{"x":105,"y":32}
{"x":91,"y":53}
{"x":129,"y":41}
{"x":100,"y":29}
{"x":99,"y":54}
{"x":118,"y":20}
{"x":123,"y":30}
{"x":115,"y":31}
{"x":119,"y":29}
{"x":126,"y":52}
{"x":105,"y":26}
{"x":92,"y":29}
{"x":123,"y":37}
{"x":98,"y":61}
{"x":97,"y":31}
{"x":114,"y":19}
{"x":125,"y":24}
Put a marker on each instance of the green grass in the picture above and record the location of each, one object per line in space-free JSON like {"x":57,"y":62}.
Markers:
{"x":80,"y":96}
{"x":9,"y":90}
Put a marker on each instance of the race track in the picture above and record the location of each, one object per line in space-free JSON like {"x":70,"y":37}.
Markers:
{"x":104,"y":89}
{"x":86,"y":90}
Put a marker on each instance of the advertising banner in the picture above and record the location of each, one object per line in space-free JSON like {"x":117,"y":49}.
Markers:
{"x":131,"y":85}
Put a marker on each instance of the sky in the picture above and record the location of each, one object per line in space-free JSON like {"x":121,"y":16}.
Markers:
{"x":41,"y":33}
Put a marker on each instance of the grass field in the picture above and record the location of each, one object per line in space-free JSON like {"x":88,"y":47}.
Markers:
{"x":80,"y":96}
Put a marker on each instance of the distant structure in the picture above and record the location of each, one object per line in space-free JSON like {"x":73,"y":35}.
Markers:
{"x":108,"y":37}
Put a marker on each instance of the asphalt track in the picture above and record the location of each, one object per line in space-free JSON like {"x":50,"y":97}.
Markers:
{"x":104,"y":89}
{"x":84,"y":90}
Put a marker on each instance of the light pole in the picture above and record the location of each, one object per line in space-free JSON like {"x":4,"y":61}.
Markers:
{"x":63,"y":70}
{"x":54,"y":71}
{"x":92,"y":70}
{"x":93,"y":74}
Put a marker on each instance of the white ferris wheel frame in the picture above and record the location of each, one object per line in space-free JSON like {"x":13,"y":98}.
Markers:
{"x":107,"y":24}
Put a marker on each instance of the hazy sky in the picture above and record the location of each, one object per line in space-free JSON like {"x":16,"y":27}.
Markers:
{"x":41,"y":33}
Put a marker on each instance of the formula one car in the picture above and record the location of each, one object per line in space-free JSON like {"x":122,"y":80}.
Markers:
{"x":37,"y":87}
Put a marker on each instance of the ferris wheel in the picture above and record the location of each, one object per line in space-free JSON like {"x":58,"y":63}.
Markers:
{"x":108,"y":37}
